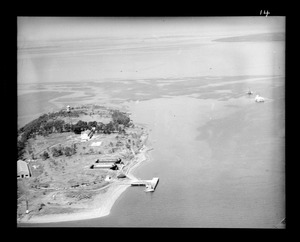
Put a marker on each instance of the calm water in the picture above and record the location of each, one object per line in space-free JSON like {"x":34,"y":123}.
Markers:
{"x":218,"y":154}
{"x":220,"y":161}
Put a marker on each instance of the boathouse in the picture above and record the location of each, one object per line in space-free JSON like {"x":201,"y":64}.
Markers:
{"x":23,"y":170}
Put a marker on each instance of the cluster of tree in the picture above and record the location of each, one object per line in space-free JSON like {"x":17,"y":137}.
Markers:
{"x":48,"y":123}
{"x":45,"y":155}
{"x":120,"y":118}
{"x":119,"y":122}
{"x":40,"y":123}
{"x":59,"y":151}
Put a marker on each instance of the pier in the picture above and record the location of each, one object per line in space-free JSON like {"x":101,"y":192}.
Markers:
{"x":152,"y":183}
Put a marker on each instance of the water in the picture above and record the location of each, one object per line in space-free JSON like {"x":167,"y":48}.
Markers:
{"x":218,"y":154}
{"x":220,"y":163}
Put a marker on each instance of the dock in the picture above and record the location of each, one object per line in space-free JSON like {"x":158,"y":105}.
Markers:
{"x":152,"y":183}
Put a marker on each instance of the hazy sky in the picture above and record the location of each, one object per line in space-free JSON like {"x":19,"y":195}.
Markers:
{"x":62,"y":28}
{"x":54,"y":49}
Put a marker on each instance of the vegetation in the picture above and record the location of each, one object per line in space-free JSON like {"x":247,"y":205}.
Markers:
{"x":45,"y":155}
{"x":50,"y":123}
{"x":56,"y":152}
{"x":120,"y":118}
{"x":67,"y":151}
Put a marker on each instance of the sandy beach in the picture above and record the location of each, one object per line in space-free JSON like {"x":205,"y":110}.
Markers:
{"x":101,"y":204}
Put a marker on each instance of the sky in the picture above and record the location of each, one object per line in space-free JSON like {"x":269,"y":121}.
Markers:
{"x":66,"y":28}
{"x":59,"y":49}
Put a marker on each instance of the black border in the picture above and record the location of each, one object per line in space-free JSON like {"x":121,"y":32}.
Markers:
{"x":9,"y":94}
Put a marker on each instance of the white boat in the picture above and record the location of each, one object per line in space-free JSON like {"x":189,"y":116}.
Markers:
{"x":259,"y":99}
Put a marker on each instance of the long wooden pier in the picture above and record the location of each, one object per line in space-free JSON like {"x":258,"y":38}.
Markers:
{"x":153,"y":183}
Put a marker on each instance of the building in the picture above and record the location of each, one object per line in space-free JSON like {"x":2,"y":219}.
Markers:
{"x":102,"y":166}
{"x":84,"y":136}
{"x":23,"y":170}
{"x":109,"y":160}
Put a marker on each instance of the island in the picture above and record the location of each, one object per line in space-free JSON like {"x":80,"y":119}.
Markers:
{"x":74,"y":163}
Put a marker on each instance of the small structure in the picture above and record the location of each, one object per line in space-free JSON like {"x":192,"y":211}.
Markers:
{"x":68,"y":109}
{"x":259,"y":99}
{"x":23,"y":170}
{"x":149,"y":188}
{"x":107,"y":178}
{"x":96,"y":143}
{"x":150,"y":184}
{"x":104,"y":166}
{"x":84,"y":136}
{"x":109,"y":160}
{"x":121,"y":175}
{"x":87,"y":135}
{"x":249,"y":92}
{"x":91,"y":133}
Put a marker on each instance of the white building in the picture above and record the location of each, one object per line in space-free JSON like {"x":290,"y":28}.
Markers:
{"x":84,"y":136}
{"x":23,"y":170}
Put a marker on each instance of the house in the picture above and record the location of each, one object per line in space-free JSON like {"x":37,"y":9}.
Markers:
{"x":23,"y":170}
{"x":84,"y":136}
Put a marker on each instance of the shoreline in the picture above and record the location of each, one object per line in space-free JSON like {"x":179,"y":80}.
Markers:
{"x":103,"y":203}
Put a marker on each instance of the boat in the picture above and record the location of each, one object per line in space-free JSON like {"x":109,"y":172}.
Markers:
{"x":259,"y":99}
{"x":249,"y":92}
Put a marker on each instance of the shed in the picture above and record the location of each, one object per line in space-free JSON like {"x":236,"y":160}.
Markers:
{"x":23,"y":171}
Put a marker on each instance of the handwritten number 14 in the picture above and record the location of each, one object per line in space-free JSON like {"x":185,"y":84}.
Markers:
{"x":265,"y":12}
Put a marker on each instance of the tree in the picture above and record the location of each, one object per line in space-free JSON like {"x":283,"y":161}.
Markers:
{"x":120,"y":118}
{"x":82,"y":124}
{"x":59,"y":125}
{"x":20,"y":148}
{"x":100,"y":127}
{"x":92,"y":124}
{"x":109,"y":128}
{"x":77,"y":129}
{"x":45,"y":155}
{"x":56,"y":152}
{"x":68,"y":151}
{"x":49,"y":126}
{"x":68,"y":127}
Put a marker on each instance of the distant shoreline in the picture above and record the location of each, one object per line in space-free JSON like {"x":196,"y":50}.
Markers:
{"x":254,"y":38}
